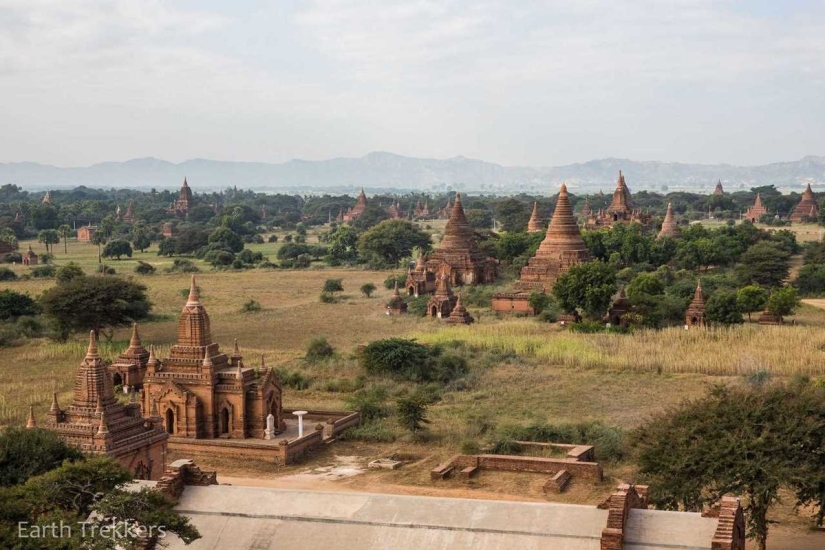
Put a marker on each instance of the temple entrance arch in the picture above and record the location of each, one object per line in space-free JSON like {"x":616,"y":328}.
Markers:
{"x":224,"y":421}
{"x":170,"y":421}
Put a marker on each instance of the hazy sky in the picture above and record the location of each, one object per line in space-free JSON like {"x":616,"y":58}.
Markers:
{"x":514,"y":82}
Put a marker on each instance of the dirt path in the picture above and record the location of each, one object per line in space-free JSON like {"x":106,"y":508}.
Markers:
{"x":816,"y":302}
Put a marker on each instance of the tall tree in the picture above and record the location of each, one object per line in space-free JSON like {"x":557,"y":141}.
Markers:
{"x":392,"y":240}
{"x":48,"y":237}
{"x":65,"y":232}
{"x":748,"y":441}
{"x":96,"y":303}
{"x":589,"y":287}
{"x":765,"y":264}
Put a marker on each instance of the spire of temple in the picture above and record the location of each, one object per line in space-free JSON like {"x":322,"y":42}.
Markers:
{"x":55,"y":408}
{"x":719,"y":190}
{"x":535,"y":224}
{"x":193,"y":323}
{"x":153,"y":361}
{"x":698,"y":295}
{"x":458,"y":234}
{"x":459,"y":314}
{"x":103,"y":428}
{"x":236,"y":351}
{"x":207,"y":361}
{"x":135,"y":342}
{"x":395,"y":293}
{"x":669,"y":226}
{"x":194,"y":294}
{"x":563,"y":236}
{"x":31,"y":422}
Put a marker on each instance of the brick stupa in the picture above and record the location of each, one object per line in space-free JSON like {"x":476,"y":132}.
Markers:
{"x":459,"y":315}
{"x":561,"y":248}
{"x":458,"y":255}
{"x":719,"y":191}
{"x":695,"y":313}
{"x":621,"y":209}
{"x":669,"y":226}
{"x":201,"y":392}
{"x":535,"y":224}
{"x":97,"y":423}
{"x":806,"y":208}
{"x":185,"y":201}
{"x":757,"y":210}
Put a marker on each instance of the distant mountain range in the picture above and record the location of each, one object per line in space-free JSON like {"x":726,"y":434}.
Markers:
{"x":380,"y":171}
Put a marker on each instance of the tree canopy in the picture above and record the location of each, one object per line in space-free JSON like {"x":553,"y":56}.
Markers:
{"x":589,"y":287}
{"x":392,"y":240}
{"x":95,"y":303}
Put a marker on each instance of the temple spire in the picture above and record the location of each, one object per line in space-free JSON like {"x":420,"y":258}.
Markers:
{"x":55,"y":408}
{"x":135,"y":342}
{"x":31,"y":422}
{"x":535,"y":224}
{"x":194,"y":294}
{"x":91,"y":351}
{"x":669,"y":226}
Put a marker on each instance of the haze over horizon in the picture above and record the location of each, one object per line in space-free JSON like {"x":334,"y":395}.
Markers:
{"x":696,"y":81}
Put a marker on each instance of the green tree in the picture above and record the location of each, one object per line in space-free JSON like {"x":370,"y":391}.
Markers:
{"x":752,"y":442}
{"x":48,"y":237}
{"x":765,"y":264}
{"x":513,"y":215}
{"x":367,"y":289}
{"x":228,"y":238}
{"x":96,"y":303}
{"x":333,"y":285}
{"x":783,"y":301}
{"x":100,"y":238}
{"x":751,"y":298}
{"x":140,"y":238}
{"x":68,"y":272}
{"x":412,"y":412}
{"x":722,"y":309}
{"x":117,"y":248}
{"x":14,"y":304}
{"x":539,"y":301}
{"x":65,"y":231}
{"x":645,"y":284}
{"x":8,"y":236}
{"x":589,"y":287}
{"x":392,"y":240}
{"x":343,"y":245}
{"x":810,"y":279}
{"x":25,"y":453}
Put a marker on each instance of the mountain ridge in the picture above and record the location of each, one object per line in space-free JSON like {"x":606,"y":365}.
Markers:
{"x":383,"y":170}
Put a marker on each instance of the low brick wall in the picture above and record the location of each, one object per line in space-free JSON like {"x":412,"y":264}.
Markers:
{"x":511,"y":463}
{"x":297,"y":448}
{"x":335,"y":422}
{"x":512,"y":303}
{"x":582,"y":453}
{"x":228,"y":448}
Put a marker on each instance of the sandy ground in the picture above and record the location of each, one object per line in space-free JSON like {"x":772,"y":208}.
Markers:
{"x":816,"y":302}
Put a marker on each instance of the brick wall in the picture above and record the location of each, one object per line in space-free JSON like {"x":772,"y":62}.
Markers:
{"x":730,"y":531}
{"x":618,"y":506}
{"x":510,"y":463}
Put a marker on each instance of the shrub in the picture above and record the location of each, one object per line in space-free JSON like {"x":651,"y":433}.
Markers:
{"x":251,"y":306}
{"x":7,"y":274}
{"x":333,"y":285}
{"x":15,"y":304}
{"x":43,"y":271}
{"x":370,"y":402}
{"x":143,"y":268}
{"x":105,"y":269}
{"x":272,"y":239}
{"x":470,"y":447}
{"x":389,"y":282}
{"x":319,"y":349}
{"x":370,"y":432}
{"x":412,"y":412}
{"x":182,"y":266}
{"x":11,"y":258}
{"x":367,"y":289}
{"x":417,"y":306}
{"x":68,"y":272}
{"x":327,"y":298}
{"x":293,"y":379}
{"x":409,"y":360}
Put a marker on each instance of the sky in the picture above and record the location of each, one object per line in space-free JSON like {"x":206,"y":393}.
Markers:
{"x":516,"y":82}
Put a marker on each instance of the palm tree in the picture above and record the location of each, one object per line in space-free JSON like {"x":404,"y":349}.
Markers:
{"x":64,"y":231}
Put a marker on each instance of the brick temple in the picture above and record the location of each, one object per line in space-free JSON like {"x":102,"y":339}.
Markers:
{"x":457,"y":256}
{"x":185,"y":202}
{"x":695,"y":313}
{"x":757,"y":210}
{"x":129,"y":368}
{"x":97,"y":423}
{"x":561,"y":248}
{"x":621,"y":209}
{"x":200,"y":392}
{"x":355,"y":212}
{"x":535,"y":224}
{"x":807,"y":208}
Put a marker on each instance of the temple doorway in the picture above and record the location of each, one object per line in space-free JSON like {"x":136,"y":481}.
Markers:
{"x":224,"y":421}
{"x":170,"y":421}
